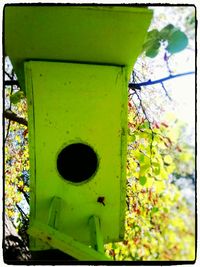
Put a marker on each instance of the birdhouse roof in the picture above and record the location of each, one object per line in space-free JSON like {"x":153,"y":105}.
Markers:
{"x":91,"y":34}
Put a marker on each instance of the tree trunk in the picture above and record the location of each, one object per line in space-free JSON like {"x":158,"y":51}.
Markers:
{"x":15,"y":250}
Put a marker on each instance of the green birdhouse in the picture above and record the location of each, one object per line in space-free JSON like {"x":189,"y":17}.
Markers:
{"x":74,"y":63}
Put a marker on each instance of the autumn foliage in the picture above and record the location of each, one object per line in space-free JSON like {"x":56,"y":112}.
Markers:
{"x":159,"y":223}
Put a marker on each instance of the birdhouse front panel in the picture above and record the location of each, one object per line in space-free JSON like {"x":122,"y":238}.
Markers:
{"x":77,"y":127}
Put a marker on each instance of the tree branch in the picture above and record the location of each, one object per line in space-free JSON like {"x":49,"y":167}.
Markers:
{"x":11,"y":83}
{"x":150,"y":82}
{"x":8,"y":114}
{"x":10,"y":76}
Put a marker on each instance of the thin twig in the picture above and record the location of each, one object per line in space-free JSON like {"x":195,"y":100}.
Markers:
{"x":150,"y":82}
{"x":166,"y":59}
{"x":166,"y":93}
{"x":22,"y":212}
{"x":8,"y":130}
{"x":143,"y":110}
{"x":10,"y":76}
{"x":24,"y":194}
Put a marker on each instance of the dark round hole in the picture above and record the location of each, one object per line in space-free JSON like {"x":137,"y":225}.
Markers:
{"x":77,"y":162}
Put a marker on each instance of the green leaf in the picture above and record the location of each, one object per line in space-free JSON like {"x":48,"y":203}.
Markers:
{"x":154,"y":210}
{"x":177,"y":41}
{"x":156,"y":168}
{"x":152,"y":45}
{"x":141,"y":158}
{"x":152,"y":37}
{"x":143,"y":180}
{"x":166,"y":31}
{"x":144,"y":168}
{"x":153,"y":50}
{"x":133,"y":138}
{"x":154,"y":34}
{"x":136,"y":227}
{"x":114,"y":246}
{"x":165,"y":210}
{"x":16,"y":97}
{"x":144,"y":125}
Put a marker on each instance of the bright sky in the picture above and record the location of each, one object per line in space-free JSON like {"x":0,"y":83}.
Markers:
{"x":181,"y":90}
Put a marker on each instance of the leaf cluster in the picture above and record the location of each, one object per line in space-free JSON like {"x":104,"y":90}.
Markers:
{"x":16,"y":158}
{"x":159,"y":223}
{"x":171,"y":37}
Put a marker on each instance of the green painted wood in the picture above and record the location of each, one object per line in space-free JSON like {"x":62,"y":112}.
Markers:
{"x":96,"y":234}
{"x":54,"y":212}
{"x":65,"y":243}
{"x":78,"y":103}
{"x":96,"y":34}
{"x":78,"y":63}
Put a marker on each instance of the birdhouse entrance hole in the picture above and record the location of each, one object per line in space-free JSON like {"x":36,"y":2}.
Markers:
{"x":77,"y":162}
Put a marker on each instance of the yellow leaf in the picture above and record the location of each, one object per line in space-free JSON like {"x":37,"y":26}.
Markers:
{"x":17,"y":138}
{"x":168,"y":159}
